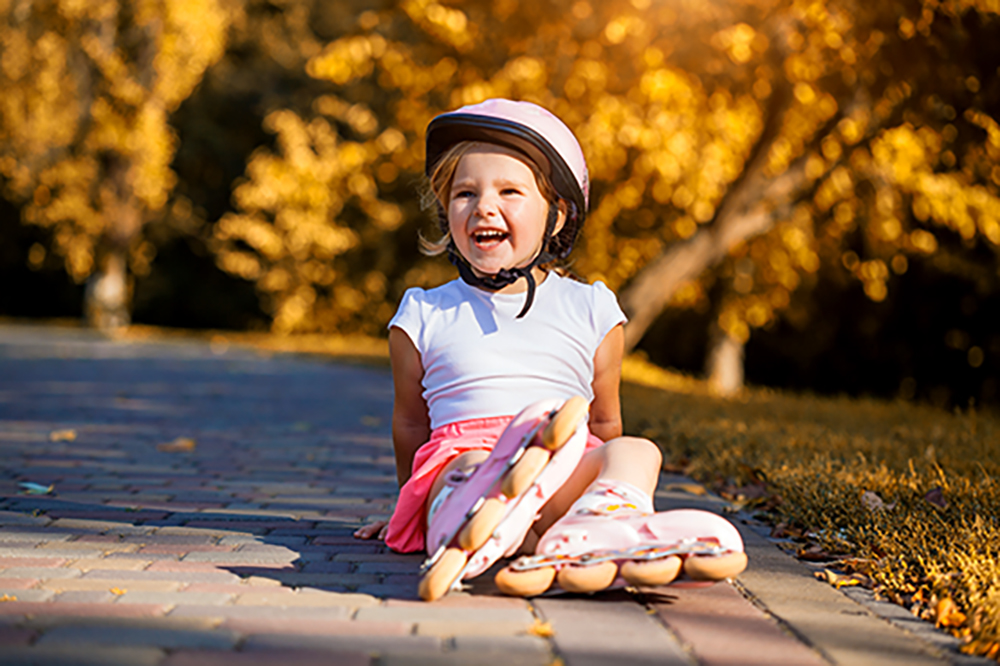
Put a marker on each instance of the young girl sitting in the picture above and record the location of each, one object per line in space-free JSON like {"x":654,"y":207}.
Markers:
{"x":510,"y":184}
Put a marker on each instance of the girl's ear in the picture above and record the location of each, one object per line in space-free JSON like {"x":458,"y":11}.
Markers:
{"x":561,"y":219}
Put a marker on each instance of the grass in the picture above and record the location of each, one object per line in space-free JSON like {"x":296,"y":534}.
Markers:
{"x":904,"y":496}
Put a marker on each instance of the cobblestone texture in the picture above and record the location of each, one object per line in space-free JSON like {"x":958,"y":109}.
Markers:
{"x":238,"y":550}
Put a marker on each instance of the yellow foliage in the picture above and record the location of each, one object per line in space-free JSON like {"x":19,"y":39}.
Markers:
{"x":670,"y":102}
{"x":84,"y":129}
{"x":290,"y":208}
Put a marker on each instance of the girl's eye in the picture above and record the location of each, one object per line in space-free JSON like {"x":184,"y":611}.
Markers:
{"x":462,"y":194}
{"x":510,"y":190}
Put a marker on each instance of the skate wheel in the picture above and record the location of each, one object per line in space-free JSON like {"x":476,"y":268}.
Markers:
{"x":480,"y":527}
{"x":564,"y":423}
{"x":715,"y":568}
{"x":651,"y":572}
{"x":525,"y":471}
{"x":528,"y":583}
{"x":436,"y":582}
{"x":587,"y":579}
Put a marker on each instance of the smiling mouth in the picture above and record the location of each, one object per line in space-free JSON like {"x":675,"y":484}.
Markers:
{"x":490,"y":237}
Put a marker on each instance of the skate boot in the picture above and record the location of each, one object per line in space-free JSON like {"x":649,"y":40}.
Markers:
{"x":611,"y":536}
{"x":484,"y":516}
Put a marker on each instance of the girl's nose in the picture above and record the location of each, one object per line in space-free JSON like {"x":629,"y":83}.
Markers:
{"x":486,"y":206}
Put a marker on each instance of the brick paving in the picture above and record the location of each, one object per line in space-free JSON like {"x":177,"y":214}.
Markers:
{"x":239,"y":550}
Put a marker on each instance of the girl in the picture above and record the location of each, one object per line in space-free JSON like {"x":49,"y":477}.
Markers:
{"x":510,"y":184}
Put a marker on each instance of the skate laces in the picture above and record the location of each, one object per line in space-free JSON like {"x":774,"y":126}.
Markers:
{"x":612,"y":498}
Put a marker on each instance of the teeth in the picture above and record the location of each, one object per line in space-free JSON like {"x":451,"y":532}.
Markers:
{"x":485,"y":236}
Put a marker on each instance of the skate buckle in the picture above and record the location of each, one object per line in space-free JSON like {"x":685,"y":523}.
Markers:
{"x":432,"y":560}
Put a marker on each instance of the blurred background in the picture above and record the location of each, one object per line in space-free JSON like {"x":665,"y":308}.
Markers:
{"x":800,"y":194}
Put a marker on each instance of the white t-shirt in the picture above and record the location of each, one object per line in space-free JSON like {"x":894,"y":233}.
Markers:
{"x":480,"y":361}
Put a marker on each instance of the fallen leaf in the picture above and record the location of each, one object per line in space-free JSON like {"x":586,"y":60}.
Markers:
{"x":814,"y":553}
{"x":936,"y":497}
{"x":179,"y":445}
{"x":855,"y":565}
{"x":752,"y":491}
{"x":62,"y":435}
{"x":947,"y":614}
{"x":874,"y":502}
{"x":29,"y":488}
{"x":7,"y":597}
{"x":839,"y":580}
{"x":692,"y":488}
{"x":541,"y":629}
{"x":983,"y":647}
{"x":117,"y":591}
{"x":786,"y":531}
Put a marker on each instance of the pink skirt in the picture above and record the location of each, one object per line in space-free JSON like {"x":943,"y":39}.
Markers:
{"x":408,"y":524}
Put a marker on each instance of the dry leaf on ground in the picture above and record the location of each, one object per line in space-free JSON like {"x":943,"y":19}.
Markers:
{"x":30,"y":488}
{"x":936,"y":497}
{"x":179,"y":445}
{"x":541,"y":629}
{"x":62,"y":435}
{"x":874,"y":502}
{"x":814,"y":553}
{"x":839,"y":580}
{"x":692,"y":488}
{"x":786,"y":531}
{"x":985,"y":648}
{"x":947,"y":614}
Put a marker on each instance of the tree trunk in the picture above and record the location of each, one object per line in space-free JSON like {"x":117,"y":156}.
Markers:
{"x":724,"y":363}
{"x":745,"y":211}
{"x":750,"y":210}
{"x":106,"y":299}
{"x":106,"y":296}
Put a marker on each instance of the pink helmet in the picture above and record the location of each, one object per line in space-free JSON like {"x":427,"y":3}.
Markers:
{"x":531,"y":130}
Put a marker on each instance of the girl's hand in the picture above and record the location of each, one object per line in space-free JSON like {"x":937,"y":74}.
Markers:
{"x":374,"y":530}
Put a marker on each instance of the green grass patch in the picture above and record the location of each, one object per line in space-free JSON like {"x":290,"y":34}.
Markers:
{"x":905,"y":495}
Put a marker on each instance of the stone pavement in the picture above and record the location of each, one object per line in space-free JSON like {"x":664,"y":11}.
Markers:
{"x":201,"y":511}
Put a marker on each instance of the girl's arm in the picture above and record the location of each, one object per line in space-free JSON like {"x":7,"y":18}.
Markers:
{"x":410,"y":421}
{"x":605,"y":411}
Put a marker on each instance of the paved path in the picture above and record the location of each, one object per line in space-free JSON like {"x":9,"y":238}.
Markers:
{"x":239,"y":550}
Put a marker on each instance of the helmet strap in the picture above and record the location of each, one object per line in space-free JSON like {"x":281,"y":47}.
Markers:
{"x":508,"y":276}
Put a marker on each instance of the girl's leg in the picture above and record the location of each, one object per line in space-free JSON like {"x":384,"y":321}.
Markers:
{"x":633,"y":460}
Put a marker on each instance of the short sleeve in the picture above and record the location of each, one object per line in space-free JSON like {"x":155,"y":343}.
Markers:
{"x":607,"y":313}
{"x":408,"y":317}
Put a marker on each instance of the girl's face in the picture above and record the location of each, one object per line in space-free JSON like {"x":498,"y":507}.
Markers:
{"x":496,"y":213}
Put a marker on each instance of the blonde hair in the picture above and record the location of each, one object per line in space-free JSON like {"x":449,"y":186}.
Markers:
{"x":437,"y":189}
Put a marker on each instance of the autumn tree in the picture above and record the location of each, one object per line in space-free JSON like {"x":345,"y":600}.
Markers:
{"x":85,"y":138}
{"x":876,"y":141}
{"x":735,"y":149}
